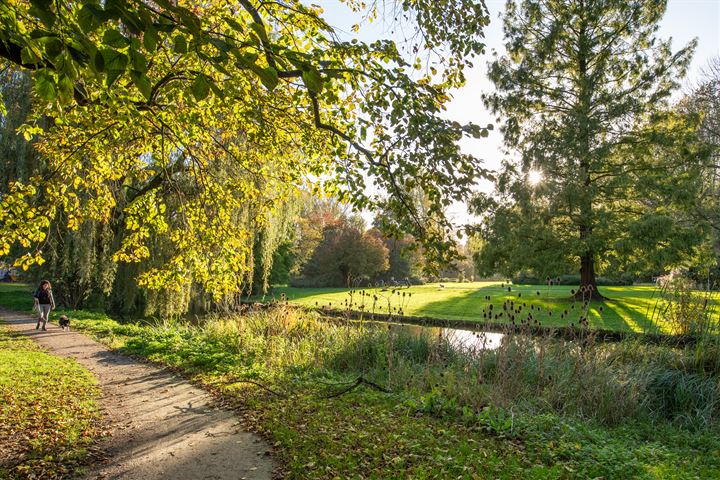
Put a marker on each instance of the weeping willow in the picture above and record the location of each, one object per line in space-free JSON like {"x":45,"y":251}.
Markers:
{"x":83,"y":263}
{"x":18,"y":158}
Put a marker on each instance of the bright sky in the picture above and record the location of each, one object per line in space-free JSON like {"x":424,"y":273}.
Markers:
{"x":683,"y":21}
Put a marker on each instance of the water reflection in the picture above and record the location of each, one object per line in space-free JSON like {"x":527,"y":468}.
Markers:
{"x":464,"y":339}
{"x":475,"y":340}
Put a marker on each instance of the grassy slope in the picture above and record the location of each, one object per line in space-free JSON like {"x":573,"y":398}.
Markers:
{"x":48,"y":410}
{"x":627,"y":308}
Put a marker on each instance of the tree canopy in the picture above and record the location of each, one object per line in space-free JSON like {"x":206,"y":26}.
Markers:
{"x":188,"y":125}
{"x":584,"y":94}
{"x":346,"y":255}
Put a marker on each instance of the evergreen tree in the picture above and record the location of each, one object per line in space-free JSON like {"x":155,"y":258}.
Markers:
{"x":581,"y":91}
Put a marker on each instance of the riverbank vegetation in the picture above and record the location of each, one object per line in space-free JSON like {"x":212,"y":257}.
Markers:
{"x":532,"y":408}
{"x":339,"y":399}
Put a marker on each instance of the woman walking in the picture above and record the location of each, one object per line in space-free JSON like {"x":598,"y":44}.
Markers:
{"x":44,"y":302}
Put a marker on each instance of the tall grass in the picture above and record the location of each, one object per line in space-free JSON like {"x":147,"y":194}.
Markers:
{"x":687,"y":311}
{"x":295,"y":352}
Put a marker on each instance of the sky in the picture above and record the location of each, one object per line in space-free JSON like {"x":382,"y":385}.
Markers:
{"x":684,"y":20}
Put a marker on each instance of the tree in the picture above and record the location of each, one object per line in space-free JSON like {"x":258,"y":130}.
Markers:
{"x":583,"y":90}
{"x":314,"y":216}
{"x":705,"y":100}
{"x":346,"y":255}
{"x":18,"y":158}
{"x":78,"y":262}
{"x":146,"y":96}
{"x":405,"y":257}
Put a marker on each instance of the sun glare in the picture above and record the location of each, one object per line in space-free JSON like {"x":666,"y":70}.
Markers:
{"x":534,"y":177}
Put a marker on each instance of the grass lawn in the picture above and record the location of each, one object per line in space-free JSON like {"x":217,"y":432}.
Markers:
{"x":16,"y":296}
{"x":48,"y":410}
{"x":626,"y":308}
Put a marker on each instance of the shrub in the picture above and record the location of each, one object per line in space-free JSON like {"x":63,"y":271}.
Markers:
{"x":686,"y":310}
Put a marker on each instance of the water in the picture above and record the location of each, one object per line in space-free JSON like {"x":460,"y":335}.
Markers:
{"x":458,"y":337}
{"x":470,"y":339}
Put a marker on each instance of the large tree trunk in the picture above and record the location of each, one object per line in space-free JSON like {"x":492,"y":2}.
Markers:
{"x":588,"y":284}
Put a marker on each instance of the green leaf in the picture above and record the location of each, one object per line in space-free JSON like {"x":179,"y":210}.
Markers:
{"x":150,"y":39}
{"x":133,"y":22}
{"x":142,"y":83}
{"x":217,"y":90}
{"x":41,"y":34}
{"x":53,"y":47}
{"x":221,"y":45}
{"x":313,"y":80}
{"x":30,"y":54}
{"x":115,"y":64}
{"x":180,"y":44}
{"x":112,"y":75}
{"x":42,"y":9}
{"x":99,"y":62}
{"x":114,"y":8}
{"x":89,"y":18}
{"x":234,"y":24}
{"x":259,"y":30}
{"x":139,"y":62}
{"x":114,"y":60}
{"x":78,"y":55}
{"x":65,"y":88}
{"x":200,"y":87}
{"x":45,"y":84}
{"x":113,"y":38}
{"x":268,"y":77}
{"x":164,"y":25}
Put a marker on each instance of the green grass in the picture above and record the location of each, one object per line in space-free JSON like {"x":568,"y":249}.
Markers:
{"x":16,"y":296}
{"x":626,"y":308}
{"x":48,"y":410}
{"x":443,"y":419}
{"x":406,"y":434}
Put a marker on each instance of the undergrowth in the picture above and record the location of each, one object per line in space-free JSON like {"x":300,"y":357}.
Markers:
{"x":531,"y":408}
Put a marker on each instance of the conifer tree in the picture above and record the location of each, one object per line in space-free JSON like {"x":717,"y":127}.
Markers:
{"x":583,"y":91}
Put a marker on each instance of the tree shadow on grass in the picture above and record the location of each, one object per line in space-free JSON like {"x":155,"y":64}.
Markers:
{"x":555,"y":307}
{"x":619,"y":317}
{"x":635,"y":316}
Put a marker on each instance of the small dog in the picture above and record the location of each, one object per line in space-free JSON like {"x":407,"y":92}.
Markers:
{"x":64,"y":322}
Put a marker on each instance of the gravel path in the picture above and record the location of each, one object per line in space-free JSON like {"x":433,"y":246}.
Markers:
{"x":161,"y":427}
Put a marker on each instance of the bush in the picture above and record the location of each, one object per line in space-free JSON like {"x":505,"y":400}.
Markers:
{"x":687,"y":311}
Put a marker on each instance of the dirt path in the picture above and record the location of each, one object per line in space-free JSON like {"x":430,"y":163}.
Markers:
{"x":161,"y":426}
